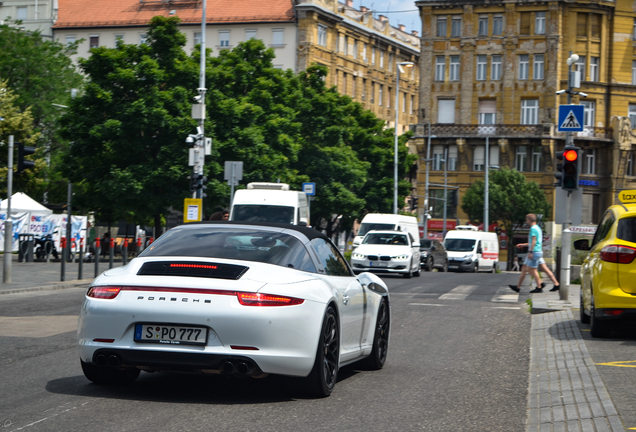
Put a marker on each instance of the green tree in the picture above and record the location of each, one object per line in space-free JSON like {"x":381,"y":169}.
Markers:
{"x":511,"y":198}
{"x":42,"y":74}
{"x":128,"y":128}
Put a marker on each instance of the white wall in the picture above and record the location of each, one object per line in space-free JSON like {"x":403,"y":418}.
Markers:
{"x":37,"y":18}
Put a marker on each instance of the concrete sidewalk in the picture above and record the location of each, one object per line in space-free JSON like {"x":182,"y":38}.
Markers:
{"x":40,"y":276}
{"x":565,"y":392}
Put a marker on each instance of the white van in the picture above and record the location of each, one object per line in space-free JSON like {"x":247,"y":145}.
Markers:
{"x":472,"y":250}
{"x":387,"y":222}
{"x":270,"y":202}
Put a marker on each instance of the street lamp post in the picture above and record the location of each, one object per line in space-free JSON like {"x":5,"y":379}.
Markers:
{"x":427,"y":160}
{"x":445,"y":190}
{"x":400,"y":68}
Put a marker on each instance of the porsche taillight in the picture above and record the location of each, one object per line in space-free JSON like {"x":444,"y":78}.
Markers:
{"x":618,"y":254}
{"x":103,"y":292}
{"x":257,"y":299}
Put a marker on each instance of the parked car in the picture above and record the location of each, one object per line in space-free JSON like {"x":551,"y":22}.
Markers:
{"x":387,"y":252}
{"x":234,"y":298}
{"x":608,"y":274}
{"x":433,"y":255}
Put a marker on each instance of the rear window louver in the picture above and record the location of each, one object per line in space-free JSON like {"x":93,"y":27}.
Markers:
{"x":193,"y":269}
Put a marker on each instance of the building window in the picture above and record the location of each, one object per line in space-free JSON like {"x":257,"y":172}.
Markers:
{"x":372,"y":93}
{"x":630,"y":164}
{"x":482,"y":65}
{"x":495,"y":68}
{"x":454,"y":68}
{"x":441,"y":27}
{"x":21,"y":13}
{"x":487,"y":112}
{"x":120,"y":37}
{"x":497,"y":25}
{"x":381,"y":59}
{"x":456,"y":26}
{"x":440,"y":68}
{"x":403,"y":102}
{"x":589,"y":113}
{"x":483,"y":26}
{"x":529,"y":111}
{"x":346,"y":45}
{"x":353,"y":85}
{"x":596,"y":26}
{"x":142,"y":38}
{"x":478,"y":158}
{"x":381,"y":89}
{"x":373,"y":56}
{"x":536,"y":158}
{"x":93,"y":41}
{"x":344,"y":83}
{"x":539,"y":23}
{"x":322,"y":35}
{"x":632,"y":115}
{"x":524,"y":23}
{"x":251,"y":34}
{"x":388,"y":98}
{"x":493,"y":159}
{"x":520,"y":158}
{"x":590,"y":161}
{"x":452,"y":157}
{"x":355,"y":49}
{"x":581,"y":24}
{"x":633,"y":72}
{"x":438,"y":155}
{"x":594,"y":62}
{"x":537,"y":69}
{"x":70,"y":39}
{"x":390,"y":62}
{"x":411,"y":105}
{"x":224,"y":38}
{"x":579,"y":66}
{"x":197,"y":38}
{"x":524,"y":65}
{"x":364,"y":89}
{"x":446,"y":111}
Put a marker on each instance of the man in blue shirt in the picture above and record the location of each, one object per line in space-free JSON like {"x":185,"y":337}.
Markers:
{"x":534,"y":259}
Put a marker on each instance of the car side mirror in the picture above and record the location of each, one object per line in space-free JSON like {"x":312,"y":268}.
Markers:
{"x":582,"y":244}
{"x":416,"y":245}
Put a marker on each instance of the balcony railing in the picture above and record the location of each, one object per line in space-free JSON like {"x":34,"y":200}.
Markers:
{"x":442,"y":130}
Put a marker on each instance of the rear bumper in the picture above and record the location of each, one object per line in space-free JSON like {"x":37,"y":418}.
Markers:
{"x":608,"y":302}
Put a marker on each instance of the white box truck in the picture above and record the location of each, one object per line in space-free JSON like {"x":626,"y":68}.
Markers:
{"x":387,"y":222}
{"x":270,"y":202}
{"x":470,"y":250}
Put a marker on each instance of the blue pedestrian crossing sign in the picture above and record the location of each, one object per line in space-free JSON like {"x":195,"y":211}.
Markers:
{"x":570,"y":118}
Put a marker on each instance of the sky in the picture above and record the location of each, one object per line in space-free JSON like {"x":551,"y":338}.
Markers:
{"x":410,"y":19}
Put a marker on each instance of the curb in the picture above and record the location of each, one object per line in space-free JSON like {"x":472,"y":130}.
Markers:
{"x":59,"y":286}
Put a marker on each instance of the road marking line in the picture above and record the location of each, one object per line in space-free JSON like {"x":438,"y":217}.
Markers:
{"x":619,"y":363}
{"x":460,"y":292}
{"x":504,"y":307}
{"x":505,"y":296}
{"x":426,"y":304}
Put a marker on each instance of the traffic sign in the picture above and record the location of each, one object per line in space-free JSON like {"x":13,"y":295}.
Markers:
{"x":192,"y":210}
{"x":309,"y":188}
{"x":570,"y":118}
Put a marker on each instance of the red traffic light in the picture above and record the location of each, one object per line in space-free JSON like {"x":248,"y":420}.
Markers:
{"x":570,"y":155}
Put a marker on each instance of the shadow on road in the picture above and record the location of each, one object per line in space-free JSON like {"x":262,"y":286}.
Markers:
{"x":624,"y":331}
{"x":187,"y":388}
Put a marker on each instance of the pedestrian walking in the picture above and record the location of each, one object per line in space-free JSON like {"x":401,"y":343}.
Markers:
{"x":515,"y":264}
{"x":534,"y":259}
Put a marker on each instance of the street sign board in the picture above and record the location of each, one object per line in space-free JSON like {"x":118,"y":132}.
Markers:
{"x":192,"y":210}
{"x":570,"y":118}
{"x":576,"y":204}
{"x":309,"y":188}
{"x":233,"y":172}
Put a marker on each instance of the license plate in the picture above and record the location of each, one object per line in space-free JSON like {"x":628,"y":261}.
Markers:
{"x":383,"y":264}
{"x":452,"y":267}
{"x":170,"y":335}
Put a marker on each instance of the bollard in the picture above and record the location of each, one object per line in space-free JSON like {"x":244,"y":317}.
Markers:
{"x":138,"y":245}
{"x":97,"y":252}
{"x":63,"y":269}
{"x":124,"y":252}
{"x":81,"y":259}
{"x":111,"y":253}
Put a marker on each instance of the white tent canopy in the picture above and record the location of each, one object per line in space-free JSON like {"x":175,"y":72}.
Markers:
{"x":21,"y":203}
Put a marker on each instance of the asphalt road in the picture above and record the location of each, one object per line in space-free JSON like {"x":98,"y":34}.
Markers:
{"x":458,"y":361}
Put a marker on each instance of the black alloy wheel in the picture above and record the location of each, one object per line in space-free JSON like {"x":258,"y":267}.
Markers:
{"x":431,"y":264}
{"x":324,"y":374}
{"x":476,"y":267}
{"x":445,"y":266}
{"x":378,"y":355}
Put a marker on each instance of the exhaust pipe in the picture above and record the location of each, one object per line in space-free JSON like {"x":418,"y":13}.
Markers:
{"x":228,"y":367}
{"x":113,"y":361}
{"x":243,"y":368}
{"x":101,"y":360}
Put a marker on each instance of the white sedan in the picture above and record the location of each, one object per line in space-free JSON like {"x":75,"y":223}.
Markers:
{"x":387,"y":252}
{"x":234,"y":298}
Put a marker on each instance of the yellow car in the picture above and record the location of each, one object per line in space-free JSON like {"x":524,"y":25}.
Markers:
{"x":608,"y":274}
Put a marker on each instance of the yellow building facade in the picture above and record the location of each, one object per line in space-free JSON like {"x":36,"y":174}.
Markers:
{"x":361,"y":53}
{"x":491,"y":71}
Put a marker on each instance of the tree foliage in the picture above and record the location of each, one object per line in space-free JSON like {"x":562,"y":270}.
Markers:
{"x":511,"y":198}
{"x":42,"y":74}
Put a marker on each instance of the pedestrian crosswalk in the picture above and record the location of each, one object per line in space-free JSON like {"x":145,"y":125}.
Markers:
{"x":465,"y":292}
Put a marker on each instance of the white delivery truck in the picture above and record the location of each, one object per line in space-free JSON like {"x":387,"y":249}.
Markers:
{"x":470,"y":250}
{"x":387,"y":222}
{"x":270,"y":202}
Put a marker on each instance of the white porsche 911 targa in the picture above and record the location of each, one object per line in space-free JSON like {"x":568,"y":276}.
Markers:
{"x":234,"y":298}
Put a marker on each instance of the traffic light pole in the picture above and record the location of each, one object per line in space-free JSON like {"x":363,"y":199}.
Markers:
{"x":8,"y":223}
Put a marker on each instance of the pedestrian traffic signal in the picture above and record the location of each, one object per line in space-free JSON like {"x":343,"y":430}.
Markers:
{"x":24,"y":151}
{"x":570,"y":179}
{"x":413,"y":204}
{"x":196,"y":183}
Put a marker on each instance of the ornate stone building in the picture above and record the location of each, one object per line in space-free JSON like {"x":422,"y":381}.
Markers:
{"x":361,"y":53}
{"x":492,"y":70}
